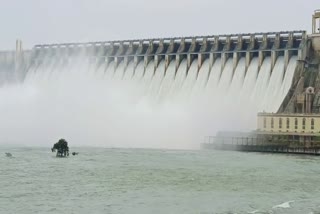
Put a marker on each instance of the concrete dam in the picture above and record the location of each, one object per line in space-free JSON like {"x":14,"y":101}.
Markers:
{"x":173,"y":90}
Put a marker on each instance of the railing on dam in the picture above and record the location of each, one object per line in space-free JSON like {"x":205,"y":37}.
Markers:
{"x":285,"y":43}
{"x":260,"y":144}
{"x":282,"y":34}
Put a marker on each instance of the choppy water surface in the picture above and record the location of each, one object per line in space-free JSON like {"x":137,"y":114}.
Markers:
{"x":157,"y":181}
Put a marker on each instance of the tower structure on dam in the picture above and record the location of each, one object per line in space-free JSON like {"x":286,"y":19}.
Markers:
{"x":297,"y":120}
{"x":295,"y":127}
{"x":14,"y":64}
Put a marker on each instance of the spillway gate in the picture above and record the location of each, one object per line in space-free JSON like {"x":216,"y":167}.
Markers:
{"x":200,"y":48}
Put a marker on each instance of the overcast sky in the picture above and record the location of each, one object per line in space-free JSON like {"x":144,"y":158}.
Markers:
{"x":52,"y":21}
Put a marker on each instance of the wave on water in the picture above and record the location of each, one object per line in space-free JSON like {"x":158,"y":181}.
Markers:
{"x":283,"y":205}
{"x":253,"y":212}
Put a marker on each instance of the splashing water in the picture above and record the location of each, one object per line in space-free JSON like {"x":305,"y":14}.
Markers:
{"x":104,"y":104}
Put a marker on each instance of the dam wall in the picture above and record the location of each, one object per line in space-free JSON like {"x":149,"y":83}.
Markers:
{"x":259,"y":69}
{"x":181,"y":89}
{"x":307,"y":76}
{"x":200,"y":48}
{"x":219,"y":63}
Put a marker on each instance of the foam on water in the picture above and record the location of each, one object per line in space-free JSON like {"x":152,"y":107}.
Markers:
{"x":254,"y":211}
{"x":283,"y":205}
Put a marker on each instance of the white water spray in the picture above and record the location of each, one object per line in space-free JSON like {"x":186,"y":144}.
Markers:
{"x":104,"y":104}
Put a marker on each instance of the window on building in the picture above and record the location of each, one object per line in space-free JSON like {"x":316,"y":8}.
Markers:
{"x":288,"y":123}
{"x":296,"y":123}
{"x":312,"y":123}
{"x":272,"y":123}
{"x":304,"y":123}
{"x":264,"y":122}
{"x":280,"y":123}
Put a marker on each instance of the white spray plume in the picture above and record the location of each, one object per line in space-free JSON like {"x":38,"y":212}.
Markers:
{"x":94,"y":105}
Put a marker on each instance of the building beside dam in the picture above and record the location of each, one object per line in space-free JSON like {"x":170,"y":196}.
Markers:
{"x":296,"y":125}
{"x":272,"y":75}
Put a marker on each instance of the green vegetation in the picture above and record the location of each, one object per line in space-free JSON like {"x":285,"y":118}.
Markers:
{"x":61,"y":147}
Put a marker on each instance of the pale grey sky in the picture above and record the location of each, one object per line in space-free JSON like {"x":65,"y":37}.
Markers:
{"x":52,"y":21}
